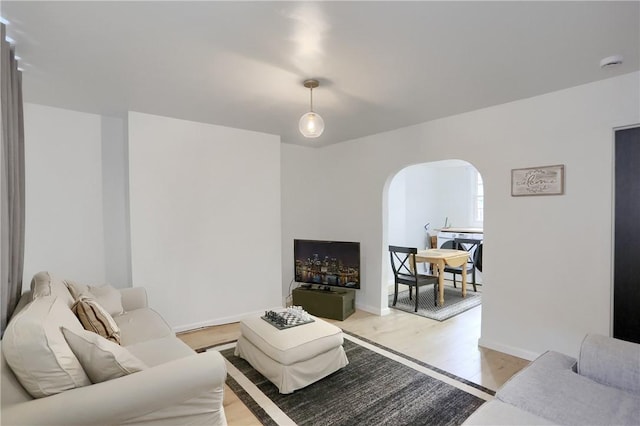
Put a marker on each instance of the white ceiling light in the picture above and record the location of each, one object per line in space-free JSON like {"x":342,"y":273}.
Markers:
{"x":311,"y":125}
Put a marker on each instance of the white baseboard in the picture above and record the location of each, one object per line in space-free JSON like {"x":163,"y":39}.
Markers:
{"x":220,"y":321}
{"x":240,"y":317}
{"x":372,"y":309}
{"x":510,"y":350}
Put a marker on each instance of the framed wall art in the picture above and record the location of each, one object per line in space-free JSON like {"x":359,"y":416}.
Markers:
{"x":544,"y":180}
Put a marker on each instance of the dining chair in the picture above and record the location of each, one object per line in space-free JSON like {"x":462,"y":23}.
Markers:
{"x":474,"y":262}
{"x":403,"y":263}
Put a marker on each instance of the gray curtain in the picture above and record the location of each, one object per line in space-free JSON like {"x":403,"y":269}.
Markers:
{"x":12,"y":174}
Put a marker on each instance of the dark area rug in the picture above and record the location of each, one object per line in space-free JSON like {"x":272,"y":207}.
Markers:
{"x":454,"y":303}
{"x":372,"y":390}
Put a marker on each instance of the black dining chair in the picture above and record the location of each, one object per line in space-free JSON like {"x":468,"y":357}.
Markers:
{"x":474,"y":262}
{"x":403,"y":263}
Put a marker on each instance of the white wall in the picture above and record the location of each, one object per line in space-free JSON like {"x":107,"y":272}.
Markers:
{"x":326,"y":197}
{"x":115,"y":195}
{"x":434,"y":193}
{"x":75,"y":201}
{"x":524,"y":313}
{"x":452,"y":195}
{"x":63,"y":185}
{"x":205,"y":219}
{"x":397,"y":229}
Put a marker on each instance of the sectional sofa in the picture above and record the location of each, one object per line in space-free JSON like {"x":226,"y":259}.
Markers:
{"x":151,"y":377}
{"x":600,"y":387}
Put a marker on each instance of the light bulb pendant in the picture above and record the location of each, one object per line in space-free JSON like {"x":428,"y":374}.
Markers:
{"x":311,"y":125}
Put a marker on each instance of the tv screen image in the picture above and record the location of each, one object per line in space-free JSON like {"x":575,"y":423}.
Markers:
{"x":328,"y":263}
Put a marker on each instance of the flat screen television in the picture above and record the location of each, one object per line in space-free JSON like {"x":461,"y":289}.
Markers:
{"x":327,"y":263}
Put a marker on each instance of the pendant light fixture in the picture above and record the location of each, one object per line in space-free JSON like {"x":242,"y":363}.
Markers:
{"x":311,"y":125}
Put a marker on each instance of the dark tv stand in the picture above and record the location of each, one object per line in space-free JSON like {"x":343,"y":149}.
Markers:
{"x":336,"y":303}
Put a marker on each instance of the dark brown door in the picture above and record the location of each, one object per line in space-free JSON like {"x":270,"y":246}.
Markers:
{"x":626,"y":272}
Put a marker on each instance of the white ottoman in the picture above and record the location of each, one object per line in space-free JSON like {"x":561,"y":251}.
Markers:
{"x":292,"y":358}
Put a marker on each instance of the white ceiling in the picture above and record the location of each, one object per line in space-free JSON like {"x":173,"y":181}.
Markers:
{"x":381,"y":65}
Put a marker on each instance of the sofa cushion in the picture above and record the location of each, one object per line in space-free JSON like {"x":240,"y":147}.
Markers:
{"x":37,"y":352}
{"x":159,"y":351}
{"x":141,"y":325}
{"x":550,"y":388}
{"x":497,"y":413}
{"x":11,"y":391}
{"x":44,"y":284}
{"x":95,"y":318}
{"x":107,"y":296}
{"x":612,"y":362}
{"x":76,"y":289}
{"x":25,"y":299}
{"x":101,"y":359}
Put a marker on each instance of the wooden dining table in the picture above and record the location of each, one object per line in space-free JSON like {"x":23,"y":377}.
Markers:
{"x":441,"y":258}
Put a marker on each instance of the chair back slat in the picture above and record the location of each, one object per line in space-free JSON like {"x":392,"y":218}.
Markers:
{"x":403,"y":263}
{"x":403,"y":260}
{"x":474,"y":262}
{"x":473,"y":245}
{"x":477,"y":258}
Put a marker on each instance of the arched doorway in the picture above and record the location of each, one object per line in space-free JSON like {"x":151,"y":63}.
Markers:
{"x":425,"y":198}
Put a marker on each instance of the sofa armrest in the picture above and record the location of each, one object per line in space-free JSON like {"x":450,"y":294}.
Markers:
{"x":134,"y":298}
{"x":610,"y":361}
{"x":550,"y":388}
{"x":129,"y":397}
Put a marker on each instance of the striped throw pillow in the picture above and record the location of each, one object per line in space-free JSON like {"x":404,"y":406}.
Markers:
{"x":94,"y":317}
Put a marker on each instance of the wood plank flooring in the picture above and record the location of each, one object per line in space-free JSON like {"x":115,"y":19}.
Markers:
{"x":451,"y":345}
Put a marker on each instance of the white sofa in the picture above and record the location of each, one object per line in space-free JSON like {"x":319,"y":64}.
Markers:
{"x":601,"y":387}
{"x":178,"y":386}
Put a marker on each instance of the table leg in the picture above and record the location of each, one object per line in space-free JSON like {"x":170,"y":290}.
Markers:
{"x":440,"y":282}
{"x":464,"y":280}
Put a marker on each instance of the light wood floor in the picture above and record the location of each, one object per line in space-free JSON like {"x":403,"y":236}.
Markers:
{"x":451,"y":345}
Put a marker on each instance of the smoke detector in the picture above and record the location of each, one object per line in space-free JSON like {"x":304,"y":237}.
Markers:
{"x":611,"y":61}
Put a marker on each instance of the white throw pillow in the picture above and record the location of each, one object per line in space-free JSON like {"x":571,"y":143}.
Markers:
{"x":106,"y":295}
{"x":44,"y":284}
{"x":101,"y":359}
{"x":76,"y":289}
{"x":38,"y":353}
{"x":109,"y":298}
